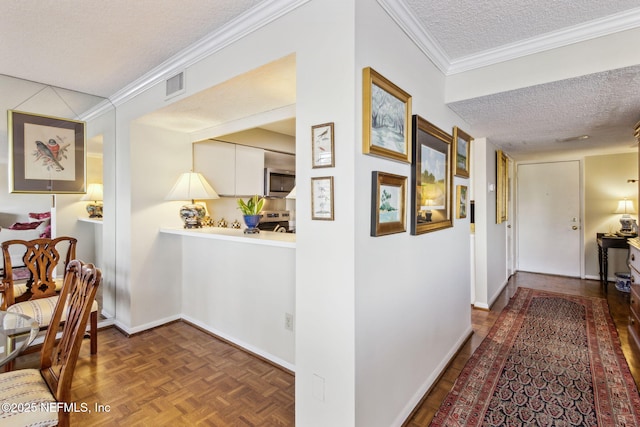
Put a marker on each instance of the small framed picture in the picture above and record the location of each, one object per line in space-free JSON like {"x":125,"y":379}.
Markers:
{"x":46,"y":154}
{"x":462,"y":142}
{"x":386,"y":118}
{"x":461,"y":201}
{"x":322,"y":146}
{"x":388,"y":201}
{"x":322,"y":198}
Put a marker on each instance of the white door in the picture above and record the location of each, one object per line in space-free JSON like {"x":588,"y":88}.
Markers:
{"x":549,"y":218}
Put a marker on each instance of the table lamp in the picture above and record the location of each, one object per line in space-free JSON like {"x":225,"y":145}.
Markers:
{"x":191,"y":186}
{"x":625,"y":207}
{"x":94,"y":193}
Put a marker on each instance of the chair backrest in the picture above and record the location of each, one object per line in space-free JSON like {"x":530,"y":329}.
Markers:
{"x":58,"y":357}
{"x":41,"y":257}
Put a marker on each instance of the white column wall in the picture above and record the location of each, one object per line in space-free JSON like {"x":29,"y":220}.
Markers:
{"x":412,"y":292}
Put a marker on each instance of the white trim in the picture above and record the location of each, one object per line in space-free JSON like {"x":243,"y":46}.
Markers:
{"x":254,"y":19}
{"x":619,"y":22}
{"x":406,"y":20}
{"x":426,"y":385}
{"x":150,"y":325}
{"x":255,"y":350}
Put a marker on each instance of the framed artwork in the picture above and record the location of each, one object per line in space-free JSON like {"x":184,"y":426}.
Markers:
{"x":502,"y":187}
{"x":388,"y":201}
{"x":322,"y":198}
{"x":322,"y":146}
{"x":46,"y":154}
{"x":431,"y":178}
{"x":386,"y":117}
{"x":462,"y":142}
{"x":461,"y":201}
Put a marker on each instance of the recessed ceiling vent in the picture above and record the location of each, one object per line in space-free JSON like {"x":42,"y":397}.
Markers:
{"x":174,"y":85}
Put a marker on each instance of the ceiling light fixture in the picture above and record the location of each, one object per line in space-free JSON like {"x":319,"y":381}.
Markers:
{"x":573,"y":138}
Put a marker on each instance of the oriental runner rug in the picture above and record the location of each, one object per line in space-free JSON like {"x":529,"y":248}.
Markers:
{"x":550,"y":360}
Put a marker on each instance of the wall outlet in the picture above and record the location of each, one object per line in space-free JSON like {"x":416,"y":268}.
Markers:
{"x":288,"y":321}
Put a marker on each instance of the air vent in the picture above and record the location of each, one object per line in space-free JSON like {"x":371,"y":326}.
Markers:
{"x":175,"y":85}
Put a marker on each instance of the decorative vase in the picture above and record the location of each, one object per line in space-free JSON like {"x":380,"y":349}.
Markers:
{"x":252,"y":222}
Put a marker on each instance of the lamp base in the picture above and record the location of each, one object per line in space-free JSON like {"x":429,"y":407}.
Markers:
{"x":94,"y":210}
{"x":628,"y":225}
{"x":192,"y":215}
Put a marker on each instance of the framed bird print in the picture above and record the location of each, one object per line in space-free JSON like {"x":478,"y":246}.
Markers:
{"x":322,"y":146}
{"x":46,"y":154}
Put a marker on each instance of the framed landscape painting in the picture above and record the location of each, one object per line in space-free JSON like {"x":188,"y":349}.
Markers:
{"x":388,"y":201}
{"x":46,"y":154}
{"x":431,"y":178}
{"x":386,"y":117}
{"x":462,"y":142}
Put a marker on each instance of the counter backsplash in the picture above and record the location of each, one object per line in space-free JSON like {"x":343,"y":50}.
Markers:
{"x":227,"y":208}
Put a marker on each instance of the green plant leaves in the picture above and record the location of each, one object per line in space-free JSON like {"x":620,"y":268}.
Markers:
{"x":253,"y":206}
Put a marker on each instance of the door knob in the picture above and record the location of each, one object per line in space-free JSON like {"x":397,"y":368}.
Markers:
{"x":575,"y":227}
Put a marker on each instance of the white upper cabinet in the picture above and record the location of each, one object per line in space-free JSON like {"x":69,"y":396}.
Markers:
{"x":249,"y":171}
{"x":232,"y":170}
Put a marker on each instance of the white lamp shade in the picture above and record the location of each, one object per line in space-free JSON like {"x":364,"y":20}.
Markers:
{"x":192,"y":186}
{"x":625,"y":207}
{"x":292,"y":194}
{"x":94,"y":192}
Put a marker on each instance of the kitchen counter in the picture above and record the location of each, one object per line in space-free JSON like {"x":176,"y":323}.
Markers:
{"x":268,"y":238}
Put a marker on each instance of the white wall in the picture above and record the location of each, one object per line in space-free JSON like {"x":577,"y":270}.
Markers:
{"x":370,"y":337}
{"x":412,"y":292}
{"x":490,"y":238}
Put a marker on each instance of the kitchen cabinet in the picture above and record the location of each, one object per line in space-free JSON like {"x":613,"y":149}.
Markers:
{"x":231,"y":169}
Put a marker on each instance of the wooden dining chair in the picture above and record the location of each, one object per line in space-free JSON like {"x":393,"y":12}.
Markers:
{"x":45,"y":391}
{"x":37,"y":295}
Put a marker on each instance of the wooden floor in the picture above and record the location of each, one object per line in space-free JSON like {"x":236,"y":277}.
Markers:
{"x":482,"y":322}
{"x":177,"y":375}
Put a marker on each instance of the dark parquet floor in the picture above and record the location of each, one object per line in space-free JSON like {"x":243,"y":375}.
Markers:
{"x":177,"y":375}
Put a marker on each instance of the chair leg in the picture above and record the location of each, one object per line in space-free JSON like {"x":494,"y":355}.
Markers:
{"x":93,"y":333}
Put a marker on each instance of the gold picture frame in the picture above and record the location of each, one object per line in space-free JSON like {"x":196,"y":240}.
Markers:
{"x":461,"y":201}
{"x":502,"y":187}
{"x":431,"y":178}
{"x":462,"y":150}
{"x":322,"y":198}
{"x":388,"y":201}
{"x":386,"y":118}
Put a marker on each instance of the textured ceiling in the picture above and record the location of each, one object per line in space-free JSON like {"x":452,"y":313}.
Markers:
{"x":604,"y":106}
{"x":466,"y":27}
{"x":99,"y":47}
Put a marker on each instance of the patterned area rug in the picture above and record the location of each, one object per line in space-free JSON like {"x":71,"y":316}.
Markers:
{"x":550,"y":360}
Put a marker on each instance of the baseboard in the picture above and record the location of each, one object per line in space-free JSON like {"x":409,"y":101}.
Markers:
{"x":417,"y":399}
{"x":126,"y":330}
{"x":278,"y":362}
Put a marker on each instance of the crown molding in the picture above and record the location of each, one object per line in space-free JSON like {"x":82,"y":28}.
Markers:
{"x":406,"y":20}
{"x":611,"y":24}
{"x":415,"y":30}
{"x":254,"y":19}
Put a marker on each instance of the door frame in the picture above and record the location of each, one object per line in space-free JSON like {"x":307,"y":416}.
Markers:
{"x":580,"y":203}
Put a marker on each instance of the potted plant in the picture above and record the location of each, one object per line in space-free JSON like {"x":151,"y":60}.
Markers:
{"x":251,"y":212}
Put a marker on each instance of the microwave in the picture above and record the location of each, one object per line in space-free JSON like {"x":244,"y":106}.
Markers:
{"x":278,"y":182}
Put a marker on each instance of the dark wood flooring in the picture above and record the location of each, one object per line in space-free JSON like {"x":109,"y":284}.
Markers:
{"x":482,"y":322}
{"x":177,"y":375}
